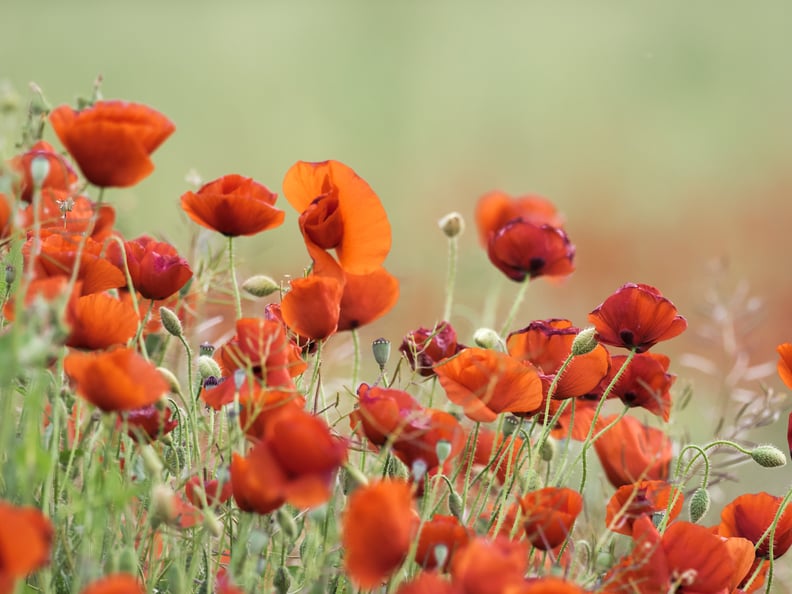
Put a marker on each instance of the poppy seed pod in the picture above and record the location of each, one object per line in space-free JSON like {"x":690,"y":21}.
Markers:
{"x":381,"y":348}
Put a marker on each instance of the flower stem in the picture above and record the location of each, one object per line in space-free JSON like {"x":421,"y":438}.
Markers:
{"x":234,"y":283}
{"x":453,"y":257}
{"x":518,"y":299}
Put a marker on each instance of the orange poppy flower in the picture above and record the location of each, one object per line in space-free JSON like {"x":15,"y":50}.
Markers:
{"x":25,"y":543}
{"x":156,"y":268}
{"x":521,"y":250}
{"x":118,"y":583}
{"x":644,"y":498}
{"x":312,"y":306}
{"x":99,"y":321}
{"x":490,"y":566}
{"x":339,"y":211}
{"x":785,"y":363}
{"x":444,"y":531}
{"x":495,"y":209}
{"x":546,"y":344}
{"x":149,"y":423}
{"x":382,"y":412}
{"x":111,"y":141}
{"x":485,"y":383}
{"x":749,"y":515}
{"x":631,"y":451}
{"x":548,"y":515}
{"x":379,"y":524}
{"x":63,"y":212}
{"x":233,"y":205}
{"x":645,"y":383}
{"x":425,"y":347}
{"x":744,"y":561}
{"x":636,"y":317}
{"x":428,"y":582}
{"x":116,"y":380}
{"x":60,"y":175}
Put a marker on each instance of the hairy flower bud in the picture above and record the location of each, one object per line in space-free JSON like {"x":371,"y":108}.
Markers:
{"x":260,"y":285}
{"x":455,"y":505}
{"x":768,"y":456}
{"x":452,"y":224}
{"x":487,"y":338}
{"x":171,"y":322}
{"x":208,"y":367}
{"x":585,"y":341}
{"x":699,"y":504}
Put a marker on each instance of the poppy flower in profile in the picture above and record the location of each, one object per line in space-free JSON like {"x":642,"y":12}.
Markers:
{"x":379,"y":524}
{"x":636,"y":317}
{"x":521,"y":250}
{"x":156,"y":268}
{"x":645,"y":383}
{"x":60,"y":175}
{"x":425,"y":347}
{"x":630,"y":451}
{"x":497,"y":208}
{"x":644,"y":498}
{"x":117,"y":583}
{"x":99,"y":321}
{"x":112,"y":141}
{"x":116,"y":380}
{"x":490,"y":566}
{"x":485,"y":383}
{"x":25,"y":543}
{"x":750,"y":515}
{"x":785,"y":363}
{"x":443,"y":531}
{"x":233,"y":205}
{"x":149,"y":423}
{"x":548,"y":515}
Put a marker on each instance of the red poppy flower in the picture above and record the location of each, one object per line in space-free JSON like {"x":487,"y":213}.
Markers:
{"x":312,"y":306}
{"x":115,"y":380}
{"x":156,"y":268}
{"x":379,"y":524}
{"x":111,"y":141}
{"x":499,"y":452}
{"x":440,"y":531}
{"x":339,"y":211}
{"x":99,"y":321}
{"x":490,"y":566}
{"x":644,"y":498}
{"x":548,"y":515}
{"x":150,"y":423}
{"x":428,"y":582}
{"x":233,"y":205}
{"x":743,"y":559}
{"x":60,"y":175}
{"x":636,"y":317}
{"x":64,"y":213}
{"x":486,"y":383}
{"x":382,"y":412}
{"x":521,"y":250}
{"x":750,"y":515}
{"x":426,"y":347}
{"x":645,"y":383}
{"x":366,"y":297}
{"x":496,"y":209}
{"x":25,"y":543}
{"x":118,"y":583}
{"x":548,"y":585}
{"x":196,"y":488}
{"x":630,"y":451}
{"x":785,"y":363}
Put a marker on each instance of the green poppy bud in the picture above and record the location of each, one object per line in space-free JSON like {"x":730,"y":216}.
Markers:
{"x":699,"y":504}
{"x":584,"y":342}
{"x":260,"y":286}
{"x":171,"y":322}
{"x":768,"y":456}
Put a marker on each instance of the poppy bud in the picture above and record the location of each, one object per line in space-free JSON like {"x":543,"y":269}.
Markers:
{"x":10,"y":275}
{"x":282,"y":580}
{"x":173,"y":381}
{"x":206,"y":349}
{"x":176,"y":579}
{"x":287,"y":524}
{"x":381,"y":348}
{"x":443,"y":450}
{"x":260,"y":286}
{"x":212,"y":524}
{"x":452,"y":224}
{"x":604,"y":560}
{"x":208,"y":367}
{"x":547,"y":449}
{"x":127,"y":561}
{"x":768,"y":456}
{"x":395,"y":469}
{"x":171,"y":322}
{"x":163,"y":508}
{"x":487,"y":338}
{"x":699,"y":504}
{"x":584,"y":342}
{"x":39,"y":170}
{"x":455,"y":505}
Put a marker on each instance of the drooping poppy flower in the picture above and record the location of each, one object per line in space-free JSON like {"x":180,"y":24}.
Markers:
{"x":115,"y":380}
{"x":25,"y":543}
{"x":379,"y":524}
{"x":785,"y":363}
{"x":644,"y":498}
{"x":425,"y":347}
{"x":156,"y":268}
{"x":99,"y":321}
{"x":339,"y":211}
{"x":445,"y":531}
{"x":750,"y":515}
{"x":233,"y":205}
{"x":60,"y":175}
{"x":150,"y":423}
{"x":630,"y":451}
{"x":490,"y":566}
{"x":196,"y":488}
{"x":312,"y":306}
{"x":485,"y":383}
{"x":548,"y":515}
{"x":65,"y":213}
{"x":521,"y":250}
{"x":112,"y":141}
{"x":118,"y":583}
{"x":497,"y":208}
{"x":636,"y":317}
{"x":645,"y":383}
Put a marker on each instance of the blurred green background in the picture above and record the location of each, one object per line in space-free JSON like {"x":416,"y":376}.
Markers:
{"x":662,"y":130}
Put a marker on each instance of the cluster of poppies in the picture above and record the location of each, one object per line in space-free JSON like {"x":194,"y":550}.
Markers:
{"x":462,"y":494}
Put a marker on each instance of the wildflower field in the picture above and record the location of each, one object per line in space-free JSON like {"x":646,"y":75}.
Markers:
{"x":189,"y":405}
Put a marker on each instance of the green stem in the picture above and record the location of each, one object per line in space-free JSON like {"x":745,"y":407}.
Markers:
{"x":234,"y":283}
{"x":453,"y":257}
{"x":518,"y":299}
{"x":356,"y":358}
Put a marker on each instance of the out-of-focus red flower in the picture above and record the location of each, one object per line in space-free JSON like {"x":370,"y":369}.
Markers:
{"x":211,"y":489}
{"x":60,"y":175}
{"x":116,"y":380}
{"x":379,"y":524}
{"x":428,"y":582}
{"x":644,"y":498}
{"x":440,"y":531}
{"x":111,"y":141}
{"x":490,"y":566}
{"x":156,"y":268}
{"x":118,"y":583}
{"x":150,"y":423}
{"x":581,"y":421}
{"x":630,"y":451}
{"x":99,"y":321}
{"x":25,"y":543}
{"x":749,"y":515}
{"x":645,"y":383}
{"x":547,"y":585}
{"x":5,"y":217}
{"x":485,"y":383}
{"x":425,"y":347}
{"x":636,"y":317}
{"x":224,"y":584}
{"x":521,"y":250}
{"x":66,"y":213}
{"x":785,"y":363}
{"x":233,"y":205}
{"x":548,"y":515}
{"x":497,"y":208}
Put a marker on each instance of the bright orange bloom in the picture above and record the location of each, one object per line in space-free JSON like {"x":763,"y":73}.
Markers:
{"x":495,"y":209}
{"x":489,"y":566}
{"x":99,"y":321}
{"x":426,"y":347}
{"x":116,"y":380}
{"x":583,"y":418}
{"x":785,"y":363}
{"x":111,"y":141}
{"x":749,"y":515}
{"x":631,"y":451}
{"x":366,"y":298}
{"x":486,"y":383}
{"x":521,"y":250}
{"x":379,"y":524}
{"x":156,"y":268}
{"x":233,"y":205}
{"x":548,"y":515}
{"x":744,"y":561}
{"x":64,"y":213}
{"x":645,"y":383}
{"x":312,"y":306}
{"x":636,"y":317}
{"x":644,"y":498}
{"x":60,"y":175}
{"x":118,"y":583}
{"x":444,"y":531}
{"x":25,"y":543}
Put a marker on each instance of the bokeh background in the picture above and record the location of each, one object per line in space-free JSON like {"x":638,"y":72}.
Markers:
{"x":663,"y":131}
